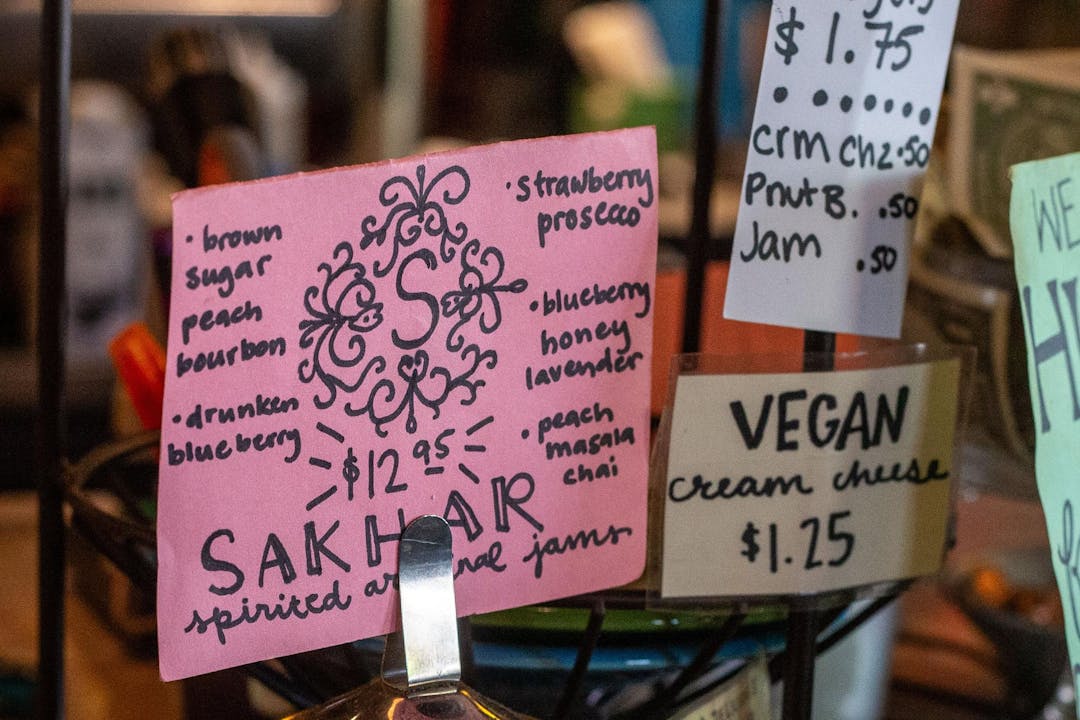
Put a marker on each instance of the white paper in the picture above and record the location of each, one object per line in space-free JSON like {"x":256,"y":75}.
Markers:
{"x":800,"y":483}
{"x":843,"y":125}
{"x":743,"y":697}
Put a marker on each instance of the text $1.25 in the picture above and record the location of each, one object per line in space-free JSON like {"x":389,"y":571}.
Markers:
{"x":821,"y":542}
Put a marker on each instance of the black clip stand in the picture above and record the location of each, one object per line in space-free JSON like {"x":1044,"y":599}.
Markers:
{"x":54,"y":135}
{"x":804,"y":619}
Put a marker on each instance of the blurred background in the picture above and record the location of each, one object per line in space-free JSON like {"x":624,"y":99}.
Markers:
{"x":169,"y":94}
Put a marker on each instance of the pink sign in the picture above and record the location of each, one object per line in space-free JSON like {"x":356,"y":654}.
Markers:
{"x":465,"y":334}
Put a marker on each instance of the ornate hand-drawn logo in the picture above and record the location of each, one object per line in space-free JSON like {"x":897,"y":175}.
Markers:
{"x":409,"y":377}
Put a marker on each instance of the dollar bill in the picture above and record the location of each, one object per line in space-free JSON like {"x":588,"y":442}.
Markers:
{"x":1006,"y":107}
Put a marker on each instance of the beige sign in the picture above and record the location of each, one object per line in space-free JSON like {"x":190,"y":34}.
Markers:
{"x":802,"y":483}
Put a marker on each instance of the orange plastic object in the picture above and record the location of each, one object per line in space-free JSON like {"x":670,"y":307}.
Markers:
{"x":727,"y":337}
{"x":667,"y":331}
{"x":719,"y":335}
{"x":140,"y":364}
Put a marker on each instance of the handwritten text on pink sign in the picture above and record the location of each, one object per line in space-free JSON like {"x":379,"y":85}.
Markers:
{"x":464,"y":334}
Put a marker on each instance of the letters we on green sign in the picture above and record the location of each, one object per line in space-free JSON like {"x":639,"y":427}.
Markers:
{"x":1045,"y":223}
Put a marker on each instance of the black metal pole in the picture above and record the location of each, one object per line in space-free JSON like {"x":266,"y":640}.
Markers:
{"x":576,"y":680}
{"x":818,"y":347}
{"x":799,"y":656}
{"x":705,"y":118}
{"x":54,"y":136}
{"x":803,"y":615}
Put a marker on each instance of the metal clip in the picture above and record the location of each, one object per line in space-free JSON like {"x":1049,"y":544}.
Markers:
{"x":429,"y":635}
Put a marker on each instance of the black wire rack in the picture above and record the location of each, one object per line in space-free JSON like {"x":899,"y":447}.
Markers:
{"x":111,"y":491}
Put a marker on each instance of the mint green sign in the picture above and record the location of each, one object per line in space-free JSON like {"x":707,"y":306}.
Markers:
{"x":1045,"y":221}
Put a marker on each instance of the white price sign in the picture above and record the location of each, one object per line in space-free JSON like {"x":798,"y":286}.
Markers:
{"x":845,"y":117}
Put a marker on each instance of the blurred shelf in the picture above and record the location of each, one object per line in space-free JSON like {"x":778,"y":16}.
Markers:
{"x":217,"y":8}
{"x":89,"y":382}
